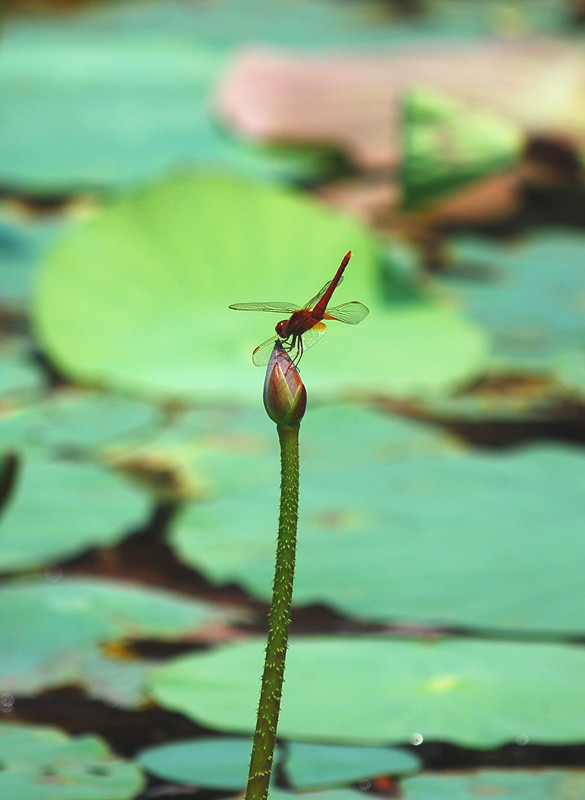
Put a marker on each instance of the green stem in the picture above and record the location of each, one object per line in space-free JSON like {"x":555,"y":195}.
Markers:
{"x":277,"y":643}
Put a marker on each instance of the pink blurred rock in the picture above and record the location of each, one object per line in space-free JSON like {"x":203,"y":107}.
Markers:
{"x":349,"y":101}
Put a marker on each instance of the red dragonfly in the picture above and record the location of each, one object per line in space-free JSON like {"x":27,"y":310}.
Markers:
{"x":305,"y":325}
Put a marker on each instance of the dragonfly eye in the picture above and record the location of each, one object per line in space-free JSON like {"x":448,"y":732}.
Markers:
{"x":281,"y":328}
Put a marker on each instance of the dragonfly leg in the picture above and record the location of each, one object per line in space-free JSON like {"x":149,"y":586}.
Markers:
{"x":297,"y":345}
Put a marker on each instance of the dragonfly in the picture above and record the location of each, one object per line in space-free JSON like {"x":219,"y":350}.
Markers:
{"x":304,"y":327}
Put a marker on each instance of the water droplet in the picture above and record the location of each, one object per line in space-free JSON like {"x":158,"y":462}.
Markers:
{"x":416,"y":739}
{"x":53,"y":574}
{"x":6,"y":702}
{"x":522,"y":739}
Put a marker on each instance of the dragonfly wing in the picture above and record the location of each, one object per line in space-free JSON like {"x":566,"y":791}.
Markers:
{"x":310,"y":337}
{"x":314,"y":300}
{"x":261,"y":355}
{"x":277,"y":308}
{"x":352,"y":313}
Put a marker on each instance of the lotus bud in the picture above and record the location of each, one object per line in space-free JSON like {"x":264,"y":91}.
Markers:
{"x":285,"y":396}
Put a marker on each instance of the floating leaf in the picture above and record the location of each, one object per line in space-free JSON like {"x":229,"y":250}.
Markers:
{"x":503,"y":784}
{"x":222,"y":763}
{"x":138,"y":298}
{"x":211,"y":763}
{"x":448,"y":145}
{"x":74,"y":421}
{"x":328,"y":794}
{"x":42,"y":763}
{"x":21,"y":246}
{"x":318,"y":766}
{"x":54,"y":632}
{"x":17,"y":429}
{"x":18,"y":375}
{"x":397,"y":525}
{"x":371,"y":690}
{"x":529,"y":297}
{"x":58,"y":509}
{"x":136,"y":105}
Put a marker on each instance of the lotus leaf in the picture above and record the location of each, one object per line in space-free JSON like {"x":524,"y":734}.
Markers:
{"x":503,"y":784}
{"x":54,"y":632}
{"x":527,"y":297}
{"x":222,"y":763}
{"x":60,"y":508}
{"x":368,"y":690}
{"x":138,"y":298}
{"x":392,"y":531}
{"x":42,"y":763}
{"x":448,"y":145}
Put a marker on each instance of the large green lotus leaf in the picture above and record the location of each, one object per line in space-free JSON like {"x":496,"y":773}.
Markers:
{"x":428,"y":534}
{"x":42,"y":763}
{"x":448,"y":145}
{"x":503,"y":784}
{"x":371,"y":690}
{"x":528,"y":296}
{"x":60,"y":508}
{"x":138,"y":298}
{"x":54,"y":632}
{"x":223,"y":763}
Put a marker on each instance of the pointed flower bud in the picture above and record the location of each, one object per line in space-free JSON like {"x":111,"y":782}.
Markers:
{"x":285,"y":396}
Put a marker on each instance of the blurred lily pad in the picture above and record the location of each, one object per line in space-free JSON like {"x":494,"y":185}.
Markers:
{"x":18,"y":375}
{"x":135,"y":106}
{"x":503,"y":784}
{"x":21,"y":246}
{"x":222,"y":763}
{"x":392,"y":531}
{"x":370,"y":690}
{"x":77,"y":421}
{"x":321,"y":766}
{"x":60,"y":508}
{"x":448,"y":145}
{"x":138,"y":298}
{"x":327,"y":794}
{"x":514,"y":399}
{"x":58,"y":633}
{"x":42,"y":763}
{"x":529,"y":297}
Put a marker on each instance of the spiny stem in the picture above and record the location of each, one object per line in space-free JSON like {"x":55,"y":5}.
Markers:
{"x":282,"y":591}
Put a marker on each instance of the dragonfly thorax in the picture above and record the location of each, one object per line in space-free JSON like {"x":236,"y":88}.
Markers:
{"x":298,"y":323}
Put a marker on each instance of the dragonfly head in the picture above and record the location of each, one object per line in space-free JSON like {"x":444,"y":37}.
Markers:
{"x":281,"y":328}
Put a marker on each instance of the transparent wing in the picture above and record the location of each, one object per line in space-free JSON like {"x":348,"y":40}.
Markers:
{"x":261,"y":355}
{"x":310,"y":337}
{"x":352,"y":313}
{"x":277,"y":308}
{"x":314,"y":300}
